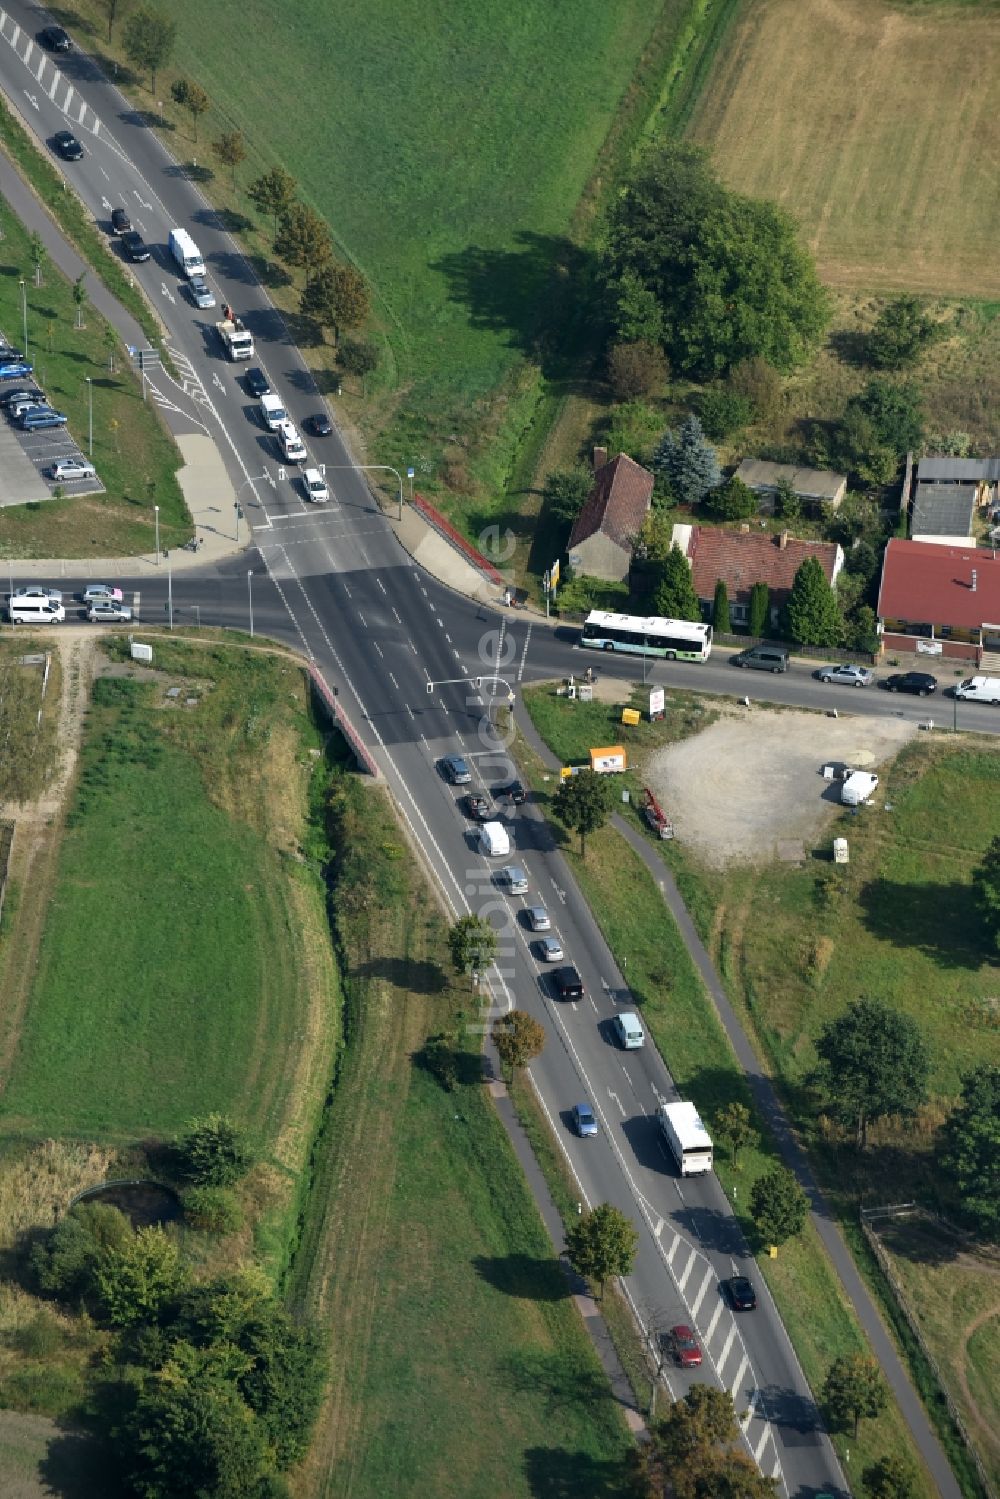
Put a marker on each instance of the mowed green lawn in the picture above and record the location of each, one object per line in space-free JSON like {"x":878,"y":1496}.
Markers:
{"x":166,"y":978}
{"x":444,"y":141}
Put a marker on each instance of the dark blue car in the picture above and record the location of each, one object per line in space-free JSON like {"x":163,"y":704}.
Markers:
{"x":14,"y":369}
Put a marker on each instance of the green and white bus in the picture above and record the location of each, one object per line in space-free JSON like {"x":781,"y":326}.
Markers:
{"x":673,"y":639}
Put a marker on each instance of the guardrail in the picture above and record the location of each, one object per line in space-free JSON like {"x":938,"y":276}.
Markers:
{"x":331,"y":702}
{"x":444,"y":528}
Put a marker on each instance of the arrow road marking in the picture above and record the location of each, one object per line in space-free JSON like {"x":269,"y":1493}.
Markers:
{"x":166,"y":292}
{"x":218,"y":382}
{"x":31,"y":99}
{"x":105,"y":204}
{"x":612,"y":1094}
{"x":142,"y":202}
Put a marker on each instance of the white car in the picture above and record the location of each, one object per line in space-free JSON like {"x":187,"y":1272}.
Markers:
{"x":847,"y":675}
{"x":72,"y":468}
{"x":202,"y":294}
{"x":95,"y":591}
{"x":52,"y":594}
{"x":108,"y":611}
{"x":315,"y":486}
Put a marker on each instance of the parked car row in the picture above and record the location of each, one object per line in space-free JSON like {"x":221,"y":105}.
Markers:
{"x":38,"y":604}
{"x":24,"y":403}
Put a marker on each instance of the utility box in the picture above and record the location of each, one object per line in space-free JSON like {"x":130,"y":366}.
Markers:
{"x":631,"y":716}
{"x":141,"y":652}
{"x":609,"y":760}
{"x":841,"y":853}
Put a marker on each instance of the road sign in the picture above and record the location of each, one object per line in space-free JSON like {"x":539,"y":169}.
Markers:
{"x":657,"y":698}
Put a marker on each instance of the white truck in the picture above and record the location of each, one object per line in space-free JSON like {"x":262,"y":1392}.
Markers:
{"x":858,"y":787}
{"x":689,"y":1141}
{"x":186,"y":253}
{"x":293,"y":449}
{"x":237,"y":340}
{"x":494,"y":839}
{"x":979,"y":690}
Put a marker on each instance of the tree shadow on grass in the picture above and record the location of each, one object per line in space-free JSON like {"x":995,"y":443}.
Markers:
{"x":851,"y":347}
{"x":526,"y":1276}
{"x":559,"y":1381}
{"x":937,"y":919}
{"x":541,"y":293}
{"x":406,"y":973}
{"x":75,"y":1466}
{"x":558,"y":1473}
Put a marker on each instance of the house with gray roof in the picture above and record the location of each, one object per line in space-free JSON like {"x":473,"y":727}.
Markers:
{"x":943,"y":513}
{"x":814,"y":485}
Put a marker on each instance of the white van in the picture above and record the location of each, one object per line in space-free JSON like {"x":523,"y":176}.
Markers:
{"x":494,"y":839}
{"x":272,"y":412}
{"x":631,"y":1035}
{"x":186,"y":253}
{"x":292,"y":447}
{"x":35,"y":611}
{"x":858,"y":787}
{"x":979,"y":689}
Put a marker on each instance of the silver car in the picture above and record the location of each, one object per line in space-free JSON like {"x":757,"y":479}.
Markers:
{"x":201,"y":293}
{"x":847,"y":675}
{"x":538,"y":919}
{"x":72,"y":468}
{"x":583,"y":1120}
{"x":35,"y":591}
{"x":95,"y":591}
{"x":108,"y":611}
{"x":550,"y":951}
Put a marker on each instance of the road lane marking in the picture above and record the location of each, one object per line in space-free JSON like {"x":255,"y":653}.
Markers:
{"x":734,"y":1387}
{"x":696,"y":1304}
{"x":720,"y":1362}
{"x":682,"y":1282}
{"x":711,"y":1326}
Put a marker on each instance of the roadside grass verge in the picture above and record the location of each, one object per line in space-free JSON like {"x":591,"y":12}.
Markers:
{"x":688,"y":1033}
{"x":28,"y":747}
{"x":135,"y":458}
{"x":459,"y":1361}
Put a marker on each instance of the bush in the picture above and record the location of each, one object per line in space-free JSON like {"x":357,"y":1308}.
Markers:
{"x":357,"y":356}
{"x":213,"y":1210}
{"x":214,"y":1153}
{"x":565,"y":491}
{"x":723,"y":411}
{"x":637,"y":369}
{"x":759,"y":383}
{"x":901,"y":334}
{"x":66,"y":1263}
{"x":733,"y":500}
{"x":633,"y":429}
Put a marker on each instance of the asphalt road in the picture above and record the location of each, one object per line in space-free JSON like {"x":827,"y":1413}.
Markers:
{"x":337,"y":585}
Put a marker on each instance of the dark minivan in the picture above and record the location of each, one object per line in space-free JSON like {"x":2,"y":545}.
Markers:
{"x":764,"y":658}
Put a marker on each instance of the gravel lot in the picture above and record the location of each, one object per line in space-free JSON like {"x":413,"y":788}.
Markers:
{"x":750,"y":782}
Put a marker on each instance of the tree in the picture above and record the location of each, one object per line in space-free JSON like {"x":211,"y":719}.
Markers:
{"x":902,"y":332}
{"x":231,"y":149}
{"x":80,"y":297}
{"x":565,"y":491}
{"x":734,"y":1124}
{"x":778,"y":1205}
{"x":858,"y":448}
{"x":889,"y":1478}
{"x":811,"y":614}
{"x":727,"y":273}
{"x":518,"y":1039}
{"x":149,"y":40}
{"x":637,"y":315}
{"x":895,"y":410}
{"x":336,"y":296}
{"x":214,"y":1152}
{"x":760,"y":384}
{"x":872,"y":1062}
{"x":136,"y":1280}
{"x":358,"y":356}
{"x":853,"y":1388}
{"x":473,"y":944}
{"x":787,"y":502}
{"x":602,"y":1243}
{"x":970,"y":1148}
{"x":193,"y":98}
{"x":986,"y":884}
{"x":273,"y":193}
{"x":65,"y":1263}
{"x":655,"y":537}
{"x":110,"y":8}
{"x":582,"y":803}
{"x":722,"y":411}
{"x":637,"y":369}
{"x":675,"y":596}
{"x":283,"y":1383}
{"x":721,"y":622}
{"x":733,"y":500}
{"x":213,"y":1210}
{"x":688,"y":461}
{"x":36,"y":249}
{"x":303,"y":238}
{"x":691,"y":1452}
{"x":760,"y":610}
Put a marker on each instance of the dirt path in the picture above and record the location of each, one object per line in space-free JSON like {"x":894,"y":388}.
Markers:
{"x":37,"y":830}
{"x":986,"y":1431}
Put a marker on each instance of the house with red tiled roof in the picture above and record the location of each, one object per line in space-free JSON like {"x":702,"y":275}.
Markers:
{"x":940,"y":600}
{"x":742,"y":558}
{"x":603,"y":536}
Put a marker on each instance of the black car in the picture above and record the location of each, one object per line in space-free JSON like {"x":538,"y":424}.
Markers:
{"x":67,"y":145}
{"x":569,"y":984}
{"x":134,"y":245}
{"x":120,"y":221}
{"x":478,"y":807}
{"x":21,"y":393}
{"x":256,"y":382}
{"x":740,"y":1294}
{"x":56,"y":39}
{"x":920,"y":682}
{"x":514,"y":792}
{"x":319,"y":425}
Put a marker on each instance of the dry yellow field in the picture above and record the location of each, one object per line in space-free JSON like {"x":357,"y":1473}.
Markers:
{"x":877,"y":127}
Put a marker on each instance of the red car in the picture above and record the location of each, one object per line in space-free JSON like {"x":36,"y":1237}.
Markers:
{"x":684,"y":1347}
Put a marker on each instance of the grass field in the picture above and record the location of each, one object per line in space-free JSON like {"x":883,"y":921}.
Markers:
{"x":135,"y":458}
{"x":873,"y":123}
{"x":27,"y":742}
{"x":459,"y":1363}
{"x":182,"y":957}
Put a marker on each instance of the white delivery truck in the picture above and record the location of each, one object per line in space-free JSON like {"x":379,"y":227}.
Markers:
{"x":979,"y":689}
{"x":689,"y":1141}
{"x":494,"y":839}
{"x":858,"y":787}
{"x":237,"y":340}
{"x":272,"y":412}
{"x":186,"y":253}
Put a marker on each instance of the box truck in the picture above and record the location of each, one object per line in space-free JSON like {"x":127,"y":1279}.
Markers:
{"x":979,"y":689}
{"x":689,"y":1141}
{"x":858,"y":787}
{"x":494,"y":839}
{"x":186,"y":253}
{"x":237,"y":340}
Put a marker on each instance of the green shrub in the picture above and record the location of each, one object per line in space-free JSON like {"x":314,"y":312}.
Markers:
{"x":723,"y":411}
{"x":213,"y":1210}
{"x":213,"y":1153}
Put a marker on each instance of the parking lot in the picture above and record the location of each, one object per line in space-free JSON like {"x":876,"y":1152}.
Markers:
{"x":26,"y":458}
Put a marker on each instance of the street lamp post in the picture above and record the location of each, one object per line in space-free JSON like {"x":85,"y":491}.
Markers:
{"x":24,"y":314}
{"x":170,"y":593}
{"x":250,"y":597}
{"x":156,"y":517}
{"x":90,"y":416}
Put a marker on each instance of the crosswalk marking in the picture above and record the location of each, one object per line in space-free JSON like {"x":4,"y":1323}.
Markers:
{"x":709,"y":1278}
